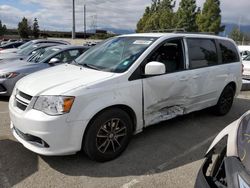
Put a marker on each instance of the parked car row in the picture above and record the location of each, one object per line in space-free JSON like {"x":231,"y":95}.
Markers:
{"x":6,"y":41}
{"x":32,"y":42}
{"x":44,"y":56}
{"x":11,"y":45}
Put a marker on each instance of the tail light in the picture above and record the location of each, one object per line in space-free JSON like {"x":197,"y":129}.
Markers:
{"x":242,"y":68}
{"x":1,"y":49}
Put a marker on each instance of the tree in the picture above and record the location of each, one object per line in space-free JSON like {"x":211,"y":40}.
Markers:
{"x":3,"y":29}
{"x":158,"y":16}
{"x":209,"y":20}
{"x":24,"y":28}
{"x":166,"y":18}
{"x":186,"y":15}
{"x":35,"y":28}
{"x":236,"y":34}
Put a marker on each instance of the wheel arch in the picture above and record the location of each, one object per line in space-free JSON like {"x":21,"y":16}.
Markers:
{"x":123,"y":107}
{"x":233,"y":85}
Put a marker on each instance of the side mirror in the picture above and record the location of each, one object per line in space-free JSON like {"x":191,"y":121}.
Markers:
{"x":155,"y":68}
{"x":54,"y":60}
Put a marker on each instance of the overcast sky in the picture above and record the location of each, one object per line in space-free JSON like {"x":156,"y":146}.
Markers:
{"x":119,"y":14}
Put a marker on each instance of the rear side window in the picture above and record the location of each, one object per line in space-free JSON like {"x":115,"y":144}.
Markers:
{"x":202,"y":53}
{"x":228,"y":51}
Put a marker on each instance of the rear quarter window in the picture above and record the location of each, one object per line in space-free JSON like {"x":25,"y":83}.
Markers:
{"x":229,"y":52}
{"x":202,"y":53}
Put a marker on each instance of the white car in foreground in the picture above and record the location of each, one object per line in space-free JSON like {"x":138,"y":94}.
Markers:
{"x":227,"y":161}
{"x":121,"y":86}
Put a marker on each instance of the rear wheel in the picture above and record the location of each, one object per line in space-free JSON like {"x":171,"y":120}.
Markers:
{"x":108,"y":135}
{"x":225,"y":101}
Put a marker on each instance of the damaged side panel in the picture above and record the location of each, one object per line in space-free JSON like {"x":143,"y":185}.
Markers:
{"x":166,"y":96}
{"x":166,"y":114}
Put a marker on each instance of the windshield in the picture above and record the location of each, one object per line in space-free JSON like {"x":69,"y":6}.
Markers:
{"x":42,"y":54}
{"x":28,"y":49}
{"x":115,"y":54}
{"x":247,"y":58}
{"x":25,"y":45}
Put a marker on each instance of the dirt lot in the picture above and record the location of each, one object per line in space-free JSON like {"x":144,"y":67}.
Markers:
{"x":166,"y":155}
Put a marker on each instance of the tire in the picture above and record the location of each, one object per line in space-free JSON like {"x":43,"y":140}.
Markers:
{"x":225,"y":101}
{"x":108,"y":135}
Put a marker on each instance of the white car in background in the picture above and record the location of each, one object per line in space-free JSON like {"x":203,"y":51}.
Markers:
{"x":119,"y":87}
{"x":244,"y":51}
{"x":246,"y":68}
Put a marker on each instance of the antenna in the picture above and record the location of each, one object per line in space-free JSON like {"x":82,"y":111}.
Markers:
{"x":94,"y":22}
{"x":73,"y":20}
{"x":84,"y":21}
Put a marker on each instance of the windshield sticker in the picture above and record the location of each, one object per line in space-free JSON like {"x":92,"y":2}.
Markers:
{"x":126,"y":63}
{"x":142,"y":42}
{"x":55,"y":49}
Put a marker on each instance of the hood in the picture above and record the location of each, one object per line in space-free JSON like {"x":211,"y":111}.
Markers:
{"x":60,"y":80}
{"x":10,"y":56}
{"x":7,"y":63}
{"x":17,"y":66}
{"x":11,"y":50}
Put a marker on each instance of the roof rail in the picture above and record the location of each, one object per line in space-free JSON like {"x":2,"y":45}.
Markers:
{"x":180,"y":30}
{"x":201,"y":33}
{"x":168,"y":30}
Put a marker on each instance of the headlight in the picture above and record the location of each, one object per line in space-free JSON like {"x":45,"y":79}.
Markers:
{"x":8,"y":75}
{"x":54,"y":105}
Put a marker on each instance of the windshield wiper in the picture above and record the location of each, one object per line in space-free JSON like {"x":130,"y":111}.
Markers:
{"x":73,"y":62}
{"x":90,"y":66}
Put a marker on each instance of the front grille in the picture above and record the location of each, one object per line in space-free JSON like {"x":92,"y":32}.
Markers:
{"x":2,"y":88}
{"x":21,"y":105}
{"x":22,"y":100}
{"x":26,"y":96}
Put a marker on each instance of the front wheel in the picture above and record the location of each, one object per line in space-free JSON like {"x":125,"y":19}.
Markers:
{"x":108,"y":135}
{"x":225,"y":101}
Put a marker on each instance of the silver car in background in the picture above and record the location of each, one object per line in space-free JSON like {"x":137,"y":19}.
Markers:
{"x":25,"y":52}
{"x":32,"y":42}
{"x":12,"y":71}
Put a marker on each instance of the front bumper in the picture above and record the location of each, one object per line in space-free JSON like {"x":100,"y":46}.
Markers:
{"x":202,"y":180}
{"x":235,"y":175}
{"x":62,"y":137}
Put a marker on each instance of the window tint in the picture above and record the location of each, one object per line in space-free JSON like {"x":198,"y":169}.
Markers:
{"x":202,"y":53}
{"x":74,"y":52}
{"x":68,"y":56}
{"x":170,"y":54}
{"x":245,"y":53}
{"x":229,"y":52}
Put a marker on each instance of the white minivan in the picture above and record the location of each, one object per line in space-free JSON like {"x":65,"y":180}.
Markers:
{"x":121,"y":86}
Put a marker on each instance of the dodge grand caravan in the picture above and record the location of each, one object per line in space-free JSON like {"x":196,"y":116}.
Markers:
{"x":121,"y":86}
